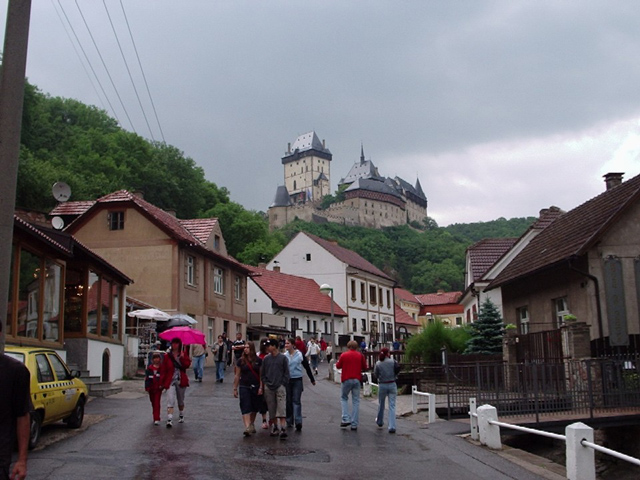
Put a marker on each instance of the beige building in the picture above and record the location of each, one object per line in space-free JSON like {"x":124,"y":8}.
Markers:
{"x":177,"y":265}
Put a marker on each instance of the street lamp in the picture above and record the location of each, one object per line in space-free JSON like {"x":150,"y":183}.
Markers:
{"x":326,"y":289}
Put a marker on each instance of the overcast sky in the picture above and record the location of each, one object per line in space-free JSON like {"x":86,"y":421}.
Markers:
{"x":499,"y":108}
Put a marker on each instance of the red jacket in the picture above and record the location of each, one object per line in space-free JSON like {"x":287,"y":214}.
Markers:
{"x":152,"y":378}
{"x":168,"y":367}
{"x":352,"y":364}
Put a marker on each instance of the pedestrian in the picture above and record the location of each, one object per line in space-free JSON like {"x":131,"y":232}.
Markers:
{"x":220,"y":357}
{"x":264,"y":344}
{"x":329,"y":352}
{"x":15,"y":421}
{"x":275,"y":377}
{"x":153,"y":385}
{"x":295,"y":386}
{"x":302,"y":348}
{"x":396,"y":345}
{"x":229,"y":344}
{"x":313,"y":352}
{"x":323,"y":350}
{"x":352,"y":364}
{"x":237,"y":347}
{"x":385,"y":370}
{"x":174,"y":379}
{"x":198,"y":354}
{"x":247,"y":385}
{"x":363,"y":346}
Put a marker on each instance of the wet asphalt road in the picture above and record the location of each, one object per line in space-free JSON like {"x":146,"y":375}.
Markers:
{"x":210,"y":444}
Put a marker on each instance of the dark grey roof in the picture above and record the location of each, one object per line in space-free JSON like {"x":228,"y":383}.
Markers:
{"x":373,"y":186}
{"x":308,"y":141}
{"x":282,"y":197}
{"x":362,"y":170}
{"x":322,"y":176}
{"x":419,"y":189}
{"x":407,"y":187}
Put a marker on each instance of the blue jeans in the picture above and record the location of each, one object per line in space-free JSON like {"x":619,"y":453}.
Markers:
{"x":294,"y":401}
{"x":198,"y":363}
{"x":352,"y":386}
{"x":387,"y":390}
{"x":314,"y":361}
{"x":220,"y":366}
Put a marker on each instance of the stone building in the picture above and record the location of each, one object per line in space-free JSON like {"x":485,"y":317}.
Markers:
{"x":370,"y":199}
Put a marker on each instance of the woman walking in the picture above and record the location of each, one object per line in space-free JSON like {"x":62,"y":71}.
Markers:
{"x":248,"y":386}
{"x":385,"y":371}
{"x":174,"y":379}
{"x":220,"y":352}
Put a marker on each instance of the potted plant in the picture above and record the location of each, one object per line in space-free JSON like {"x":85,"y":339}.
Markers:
{"x":569,"y":318}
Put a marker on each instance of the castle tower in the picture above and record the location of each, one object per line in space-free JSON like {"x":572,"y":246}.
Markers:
{"x":307,"y":169}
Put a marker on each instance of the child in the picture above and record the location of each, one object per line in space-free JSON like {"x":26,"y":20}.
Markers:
{"x":152,"y":385}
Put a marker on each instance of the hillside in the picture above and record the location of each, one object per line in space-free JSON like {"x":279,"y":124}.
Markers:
{"x":66,"y":140}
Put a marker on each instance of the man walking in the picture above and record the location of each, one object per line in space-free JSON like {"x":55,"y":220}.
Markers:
{"x":352,"y":364}
{"x":294,"y":387}
{"x":198,"y":354}
{"x":220,"y":357}
{"x":15,"y":405}
{"x":275,"y":377}
{"x":237,"y":348}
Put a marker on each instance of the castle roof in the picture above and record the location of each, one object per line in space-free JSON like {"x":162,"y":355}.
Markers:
{"x":282,"y":198}
{"x":362,"y":169}
{"x":373,"y":186}
{"x":309,"y":142}
{"x":407,"y":187}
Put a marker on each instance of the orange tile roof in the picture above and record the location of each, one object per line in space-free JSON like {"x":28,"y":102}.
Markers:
{"x":441,"y":298}
{"x":485,"y":253}
{"x":201,"y":228}
{"x":573,"y":233}
{"x":72,"y":208}
{"x":403,"y":318}
{"x":294,"y":293}
{"x":347,"y":256}
{"x":447,"y":309}
{"x":405,"y":295}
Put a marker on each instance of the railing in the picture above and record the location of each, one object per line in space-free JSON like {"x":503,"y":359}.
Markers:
{"x":580,"y":449}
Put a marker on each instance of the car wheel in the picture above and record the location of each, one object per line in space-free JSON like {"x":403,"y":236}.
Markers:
{"x":35,"y":429}
{"x":75,"y":419}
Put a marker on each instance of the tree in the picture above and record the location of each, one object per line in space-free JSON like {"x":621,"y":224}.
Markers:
{"x":426,"y":346}
{"x":487,"y":331}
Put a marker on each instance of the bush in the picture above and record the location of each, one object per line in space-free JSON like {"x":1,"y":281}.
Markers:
{"x":426,"y":346}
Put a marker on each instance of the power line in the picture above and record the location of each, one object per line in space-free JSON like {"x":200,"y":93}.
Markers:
{"x":89,"y":62}
{"x":143,"y":75}
{"x":105,"y":67}
{"x":75,"y":49}
{"x":128,"y":70}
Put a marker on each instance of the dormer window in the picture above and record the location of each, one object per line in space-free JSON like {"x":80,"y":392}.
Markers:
{"x":216,"y":242}
{"x":116,"y":220}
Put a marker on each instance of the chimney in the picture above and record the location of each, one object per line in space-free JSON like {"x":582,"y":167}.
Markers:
{"x":289,"y":147}
{"x":138,"y":193}
{"x":324,"y":145}
{"x":613,"y":179}
{"x":276,"y":268}
{"x":440,"y":292}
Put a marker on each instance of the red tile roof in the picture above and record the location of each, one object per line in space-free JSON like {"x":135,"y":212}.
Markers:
{"x":294,"y":293}
{"x":447,"y":309}
{"x":72,"y":208}
{"x":347,"y":256}
{"x":403,"y":318}
{"x":485,"y":253}
{"x":405,"y":295}
{"x":200,"y":227}
{"x":573,"y":233}
{"x":166,"y":221}
{"x":440,"y":298}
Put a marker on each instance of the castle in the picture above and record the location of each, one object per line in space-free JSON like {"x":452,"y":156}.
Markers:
{"x":366,"y":198}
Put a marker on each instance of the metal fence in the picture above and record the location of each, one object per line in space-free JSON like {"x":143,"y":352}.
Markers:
{"x":585,"y":387}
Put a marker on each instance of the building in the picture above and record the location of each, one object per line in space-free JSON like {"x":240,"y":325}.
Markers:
{"x":442,"y":306}
{"x":177,"y":265}
{"x":65,"y":296}
{"x":585,"y":263}
{"x":369,"y":199}
{"x":361,"y":289}
{"x":289,"y":305}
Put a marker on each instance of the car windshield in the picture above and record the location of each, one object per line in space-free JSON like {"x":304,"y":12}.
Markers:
{"x":17,"y":356}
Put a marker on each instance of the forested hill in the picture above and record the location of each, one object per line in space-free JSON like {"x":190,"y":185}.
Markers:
{"x":66,"y":140}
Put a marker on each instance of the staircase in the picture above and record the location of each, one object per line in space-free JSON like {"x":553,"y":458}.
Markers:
{"x":97,"y":388}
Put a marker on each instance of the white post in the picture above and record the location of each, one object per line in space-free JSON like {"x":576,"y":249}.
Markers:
{"x":432,"y":407}
{"x":581,"y":463}
{"x":414,"y":399}
{"x":473,"y":419}
{"x":489,"y":434}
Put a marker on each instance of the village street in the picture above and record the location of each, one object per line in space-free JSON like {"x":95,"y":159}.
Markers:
{"x":121,"y":442}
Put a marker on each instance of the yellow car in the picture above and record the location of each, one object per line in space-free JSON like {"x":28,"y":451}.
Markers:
{"x":56,"y":393}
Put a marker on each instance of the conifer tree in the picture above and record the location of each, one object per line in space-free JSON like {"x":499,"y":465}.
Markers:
{"x":487,"y":331}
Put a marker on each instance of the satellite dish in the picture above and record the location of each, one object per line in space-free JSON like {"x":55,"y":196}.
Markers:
{"x":57,"y":223}
{"x":61,"y":191}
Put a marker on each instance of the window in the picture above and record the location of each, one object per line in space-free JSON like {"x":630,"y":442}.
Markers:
{"x":380,"y":298}
{"x":363,"y":323}
{"x":363,"y":293}
{"x":28,"y":294}
{"x":210,"y":330}
{"x":45,"y":374}
{"x":372,"y":294}
{"x":116,"y":220}
{"x":315,"y":326}
{"x":354,"y":325}
{"x":562,"y":309}
{"x":308,"y":257}
{"x":218,"y":281}
{"x":216,"y":242}
{"x":458,"y":321}
{"x":522,"y":315}
{"x":51,"y":304}
{"x":353,"y":289}
{"x":191,"y":270}
{"x":237,"y":288}
{"x":294,"y":325}
{"x":388,"y":298}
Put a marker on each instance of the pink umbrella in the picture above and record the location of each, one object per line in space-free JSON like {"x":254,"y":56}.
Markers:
{"x":188,"y":335}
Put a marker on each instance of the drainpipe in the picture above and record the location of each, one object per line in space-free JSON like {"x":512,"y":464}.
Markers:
{"x":596,"y":285}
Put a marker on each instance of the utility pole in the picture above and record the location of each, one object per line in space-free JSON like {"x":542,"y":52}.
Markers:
{"x":14,"y":65}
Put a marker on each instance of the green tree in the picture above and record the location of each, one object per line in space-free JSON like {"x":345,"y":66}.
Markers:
{"x":426,"y":346}
{"x":487,"y":331}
